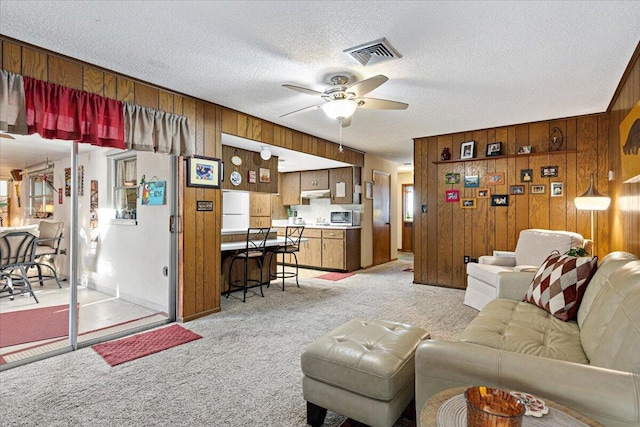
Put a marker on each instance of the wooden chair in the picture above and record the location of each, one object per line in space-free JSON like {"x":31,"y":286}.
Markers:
{"x":291,"y":246}
{"x":17,"y":255}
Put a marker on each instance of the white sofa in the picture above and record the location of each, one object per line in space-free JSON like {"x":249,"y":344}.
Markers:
{"x":494,"y":274}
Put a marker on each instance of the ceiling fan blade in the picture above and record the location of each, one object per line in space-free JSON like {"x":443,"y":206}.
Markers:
{"x":304,"y":90}
{"x":6,"y":135}
{"x":365,"y":86}
{"x":380,"y":104}
{"x":313,"y":107}
{"x":346,"y":122}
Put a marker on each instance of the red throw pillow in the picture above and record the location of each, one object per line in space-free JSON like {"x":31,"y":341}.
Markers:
{"x":559,"y":284}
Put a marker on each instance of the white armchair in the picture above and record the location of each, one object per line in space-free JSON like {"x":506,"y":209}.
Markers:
{"x":508,"y":274}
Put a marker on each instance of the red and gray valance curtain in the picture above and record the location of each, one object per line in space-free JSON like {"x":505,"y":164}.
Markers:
{"x":28,"y":106}
{"x":58,"y":112}
{"x":12,"y":111}
{"x":147,"y":129}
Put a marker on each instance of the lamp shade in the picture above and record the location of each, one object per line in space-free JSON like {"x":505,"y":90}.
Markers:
{"x":340,"y":108}
{"x":265,"y":153}
{"x":592,"y":200}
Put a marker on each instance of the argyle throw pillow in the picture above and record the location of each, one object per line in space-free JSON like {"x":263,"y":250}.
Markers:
{"x":559,"y":284}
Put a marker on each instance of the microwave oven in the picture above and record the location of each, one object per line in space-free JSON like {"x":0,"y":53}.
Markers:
{"x":347,"y":218}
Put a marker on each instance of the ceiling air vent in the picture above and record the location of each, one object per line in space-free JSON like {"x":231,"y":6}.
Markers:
{"x":373,"y":52}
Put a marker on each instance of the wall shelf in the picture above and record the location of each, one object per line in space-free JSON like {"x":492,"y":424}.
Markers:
{"x":506,"y":156}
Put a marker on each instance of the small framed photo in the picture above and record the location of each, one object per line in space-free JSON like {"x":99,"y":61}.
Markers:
{"x":537,"y":189}
{"x":265,"y":175}
{"x":368,"y":189}
{"x":468,"y":203}
{"x":471,"y":181}
{"x":452,"y":178}
{"x":526,"y":175}
{"x":500,"y":200}
{"x":203,"y":172}
{"x":524,"y":149}
{"x":252,"y":177}
{"x":452,"y":196}
{"x":548,"y":171}
{"x":467,"y":149}
{"x":557,"y":189}
{"x":495,"y":178}
{"x":516,"y":189}
{"x":494,"y":149}
{"x":483,"y":193}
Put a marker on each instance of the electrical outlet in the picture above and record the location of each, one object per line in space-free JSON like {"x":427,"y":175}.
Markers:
{"x":467,"y":259}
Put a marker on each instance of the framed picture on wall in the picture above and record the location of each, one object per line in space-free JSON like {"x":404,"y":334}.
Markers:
{"x":526,"y":175}
{"x":494,"y":149}
{"x":548,"y":171}
{"x":468,"y":203}
{"x":495,"y":178}
{"x":467,"y":149}
{"x":265,"y":175}
{"x":483,"y":193}
{"x":368,"y":190}
{"x":471,"y":181}
{"x":557,"y":189}
{"x":452,"y":196}
{"x":203,"y":172}
{"x":516,"y":189}
{"x":500,"y":200}
{"x":537,"y":189}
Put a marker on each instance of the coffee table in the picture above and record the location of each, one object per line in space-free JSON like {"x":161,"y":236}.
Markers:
{"x":429,"y":413}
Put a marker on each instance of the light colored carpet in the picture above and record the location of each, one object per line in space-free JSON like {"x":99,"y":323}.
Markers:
{"x":245,"y":371}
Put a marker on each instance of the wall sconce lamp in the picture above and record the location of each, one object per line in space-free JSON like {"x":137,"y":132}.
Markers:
{"x":265,"y":154}
{"x":556,"y":139}
{"x":591,"y":200}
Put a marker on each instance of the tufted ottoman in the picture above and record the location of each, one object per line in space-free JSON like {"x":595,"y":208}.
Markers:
{"x":363,"y":369}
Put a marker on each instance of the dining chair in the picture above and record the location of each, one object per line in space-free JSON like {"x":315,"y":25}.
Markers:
{"x":255,"y":250}
{"x":17,"y":255}
{"x":49,"y":240}
{"x":290,"y":247}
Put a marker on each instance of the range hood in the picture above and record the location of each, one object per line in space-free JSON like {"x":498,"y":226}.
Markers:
{"x":315,"y":194}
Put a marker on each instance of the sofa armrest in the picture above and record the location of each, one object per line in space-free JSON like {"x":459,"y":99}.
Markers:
{"x":513,"y":285}
{"x":497,"y":260}
{"x":608,"y":396}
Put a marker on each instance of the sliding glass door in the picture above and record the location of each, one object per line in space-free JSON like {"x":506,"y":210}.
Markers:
{"x":112,"y":272}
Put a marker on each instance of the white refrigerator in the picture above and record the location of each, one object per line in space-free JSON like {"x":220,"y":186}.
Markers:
{"x":235,"y":210}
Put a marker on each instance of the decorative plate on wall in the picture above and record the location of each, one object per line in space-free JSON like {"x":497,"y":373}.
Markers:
{"x":235,"y":178}
{"x":236,"y":160}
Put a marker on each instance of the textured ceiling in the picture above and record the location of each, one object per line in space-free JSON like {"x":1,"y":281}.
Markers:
{"x":465,"y":65}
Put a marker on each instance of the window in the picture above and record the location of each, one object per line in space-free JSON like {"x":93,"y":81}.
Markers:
{"x":125,"y":187}
{"x":407,"y":202}
{"x":41,"y":192}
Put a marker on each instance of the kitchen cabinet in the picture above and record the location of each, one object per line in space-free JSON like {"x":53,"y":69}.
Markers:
{"x":314,"y":180}
{"x":310,"y":253}
{"x":260,"y":210}
{"x":351,"y":177}
{"x":333,"y":249}
{"x":290,"y":188}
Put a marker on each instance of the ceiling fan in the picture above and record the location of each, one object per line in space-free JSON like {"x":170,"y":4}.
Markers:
{"x":342,"y":99}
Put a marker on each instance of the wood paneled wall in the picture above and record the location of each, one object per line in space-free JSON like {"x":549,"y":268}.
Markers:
{"x":251,"y":161}
{"x":446,"y":233}
{"x":624,"y":220}
{"x":199,"y":232}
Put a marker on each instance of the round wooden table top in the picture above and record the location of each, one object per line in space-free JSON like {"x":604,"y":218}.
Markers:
{"x":429,"y":414}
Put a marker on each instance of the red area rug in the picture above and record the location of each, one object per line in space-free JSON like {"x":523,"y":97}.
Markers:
{"x":140,"y":345}
{"x":335,"y":276}
{"x":36,"y":324}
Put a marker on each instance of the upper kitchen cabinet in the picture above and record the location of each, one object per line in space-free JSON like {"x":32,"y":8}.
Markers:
{"x":290,"y":188}
{"x":314,"y":180}
{"x":342,"y":182}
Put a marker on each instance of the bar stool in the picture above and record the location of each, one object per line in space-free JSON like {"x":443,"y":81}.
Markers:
{"x":255,"y":249}
{"x":291,"y":246}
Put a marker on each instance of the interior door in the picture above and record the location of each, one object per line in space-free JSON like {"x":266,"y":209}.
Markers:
{"x":381,"y":217}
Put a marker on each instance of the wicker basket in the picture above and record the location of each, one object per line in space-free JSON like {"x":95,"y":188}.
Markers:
{"x":491,"y":407}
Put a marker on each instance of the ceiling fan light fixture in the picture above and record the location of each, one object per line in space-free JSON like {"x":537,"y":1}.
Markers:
{"x":265,"y":154}
{"x":340,"y":108}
